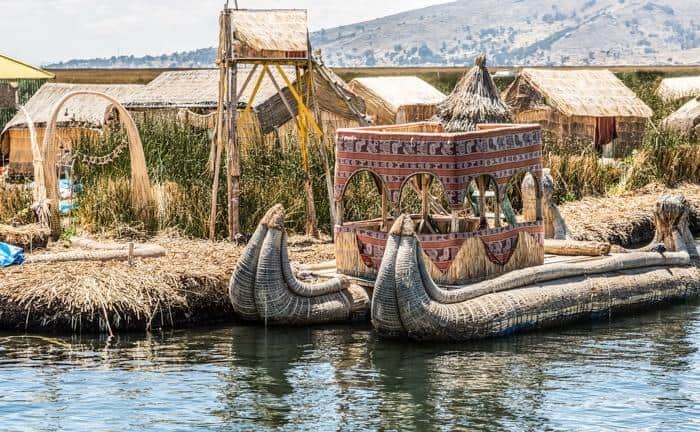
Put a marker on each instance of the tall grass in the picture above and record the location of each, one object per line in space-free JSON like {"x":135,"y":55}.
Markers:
{"x":176,"y":156}
{"x":15,"y":201}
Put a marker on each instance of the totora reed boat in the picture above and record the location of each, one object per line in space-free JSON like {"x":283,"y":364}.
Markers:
{"x":490,"y":259}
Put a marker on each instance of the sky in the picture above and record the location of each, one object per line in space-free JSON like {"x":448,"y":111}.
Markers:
{"x":47,"y":31}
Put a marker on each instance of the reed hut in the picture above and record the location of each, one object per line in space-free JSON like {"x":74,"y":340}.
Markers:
{"x":397,"y":99}
{"x":580,"y":108}
{"x":671,"y":89}
{"x":192,"y":96}
{"x":18,"y":82}
{"x":82,"y":115}
{"x":473,"y":101}
{"x":686,"y":121}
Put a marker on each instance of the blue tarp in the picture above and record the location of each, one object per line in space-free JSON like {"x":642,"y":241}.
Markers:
{"x":10,"y":255}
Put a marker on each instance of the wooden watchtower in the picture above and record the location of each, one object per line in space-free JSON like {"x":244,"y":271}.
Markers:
{"x":273,"y":42}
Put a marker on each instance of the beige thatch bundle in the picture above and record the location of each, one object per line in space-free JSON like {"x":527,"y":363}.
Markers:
{"x":671,"y":89}
{"x":626,"y":220}
{"x":397,"y":99}
{"x":278,"y":33}
{"x":686,"y":120}
{"x":474,"y":100}
{"x":28,"y":237}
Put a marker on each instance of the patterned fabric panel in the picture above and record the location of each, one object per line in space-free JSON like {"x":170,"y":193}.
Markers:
{"x":455,"y":160}
{"x":442,"y":249}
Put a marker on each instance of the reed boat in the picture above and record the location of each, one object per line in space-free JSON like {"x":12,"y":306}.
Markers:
{"x":476,"y":269}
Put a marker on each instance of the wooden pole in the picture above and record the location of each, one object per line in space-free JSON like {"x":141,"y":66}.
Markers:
{"x":311,"y":222}
{"x":233,"y":151}
{"x":385,"y":210}
{"x":481,"y":185}
{"x":311,"y":96}
{"x":218,"y":143}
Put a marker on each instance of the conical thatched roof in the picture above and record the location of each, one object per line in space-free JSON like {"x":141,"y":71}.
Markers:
{"x":474,"y":100}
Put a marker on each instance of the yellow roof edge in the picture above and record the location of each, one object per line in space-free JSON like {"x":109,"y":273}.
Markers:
{"x":47,"y":75}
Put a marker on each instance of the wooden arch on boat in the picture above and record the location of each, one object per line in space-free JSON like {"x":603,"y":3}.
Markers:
{"x":141,"y":193}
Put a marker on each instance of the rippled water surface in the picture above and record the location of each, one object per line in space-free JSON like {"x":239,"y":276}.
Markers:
{"x":636,"y":374}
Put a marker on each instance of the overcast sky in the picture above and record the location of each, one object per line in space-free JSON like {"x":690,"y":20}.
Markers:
{"x":45,"y":31}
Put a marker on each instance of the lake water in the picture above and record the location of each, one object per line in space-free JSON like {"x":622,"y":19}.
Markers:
{"x":638,"y":373}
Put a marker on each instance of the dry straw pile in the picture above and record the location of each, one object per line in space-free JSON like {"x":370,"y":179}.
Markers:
{"x":189,"y":285}
{"x":625,"y":220}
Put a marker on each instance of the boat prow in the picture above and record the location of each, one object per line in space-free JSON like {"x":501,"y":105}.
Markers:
{"x":264,"y":288}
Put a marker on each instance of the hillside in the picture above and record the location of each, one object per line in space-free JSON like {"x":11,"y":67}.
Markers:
{"x":511,"y":32}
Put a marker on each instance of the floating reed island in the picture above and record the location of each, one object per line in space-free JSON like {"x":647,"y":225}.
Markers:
{"x":91,"y":286}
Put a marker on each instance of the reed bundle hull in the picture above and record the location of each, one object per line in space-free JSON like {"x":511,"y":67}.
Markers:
{"x":408,"y":303}
{"x":264,"y":288}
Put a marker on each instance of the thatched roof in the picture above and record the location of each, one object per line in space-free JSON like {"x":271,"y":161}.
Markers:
{"x":12,"y":69}
{"x":398,"y":91}
{"x":588,"y":93}
{"x":200,"y":89}
{"x":179,"y":89}
{"x":331,"y":95}
{"x":686,"y":120}
{"x":270,"y":33}
{"x":474,"y":100}
{"x":678,"y":88}
{"x":84,"y":110}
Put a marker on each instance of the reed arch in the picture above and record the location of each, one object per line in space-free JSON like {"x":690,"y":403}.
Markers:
{"x":141,"y":192}
{"x":423,"y":183}
{"x":383,"y":194}
{"x":482,"y":183}
{"x":522,"y":195}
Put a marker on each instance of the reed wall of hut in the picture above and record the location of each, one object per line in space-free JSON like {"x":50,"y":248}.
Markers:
{"x":573,"y":106}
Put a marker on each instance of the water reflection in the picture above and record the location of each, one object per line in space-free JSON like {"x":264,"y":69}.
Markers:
{"x":634,"y":373}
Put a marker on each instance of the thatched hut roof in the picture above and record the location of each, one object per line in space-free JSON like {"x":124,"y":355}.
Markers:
{"x":200,"y":89}
{"x":587,"y":93}
{"x":331,"y":95}
{"x":280,"y":33}
{"x":686,"y":120}
{"x":178,"y":89}
{"x":474,"y":100}
{"x":83,"y":111}
{"x":678,"y":88}
{"x":387,"y":96}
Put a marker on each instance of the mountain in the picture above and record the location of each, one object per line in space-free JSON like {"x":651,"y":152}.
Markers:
{"x":517,"y":32}
{"x":201,"y":58}
{"x":510,"y":32}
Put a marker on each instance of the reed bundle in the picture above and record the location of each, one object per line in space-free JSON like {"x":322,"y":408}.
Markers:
{"x":626,"y":220}
{"x":28,"y":237}
{"x":474,"y":100}
{"x":188,"y":285}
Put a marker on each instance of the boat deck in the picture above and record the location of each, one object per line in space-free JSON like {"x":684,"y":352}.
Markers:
{"x":327,"y":269}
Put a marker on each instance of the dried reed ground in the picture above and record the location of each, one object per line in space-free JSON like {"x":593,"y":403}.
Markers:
{"x":188,"y":286}
{"x":625,"y":220}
